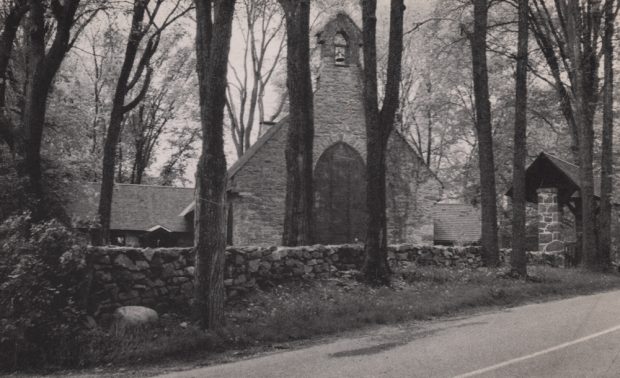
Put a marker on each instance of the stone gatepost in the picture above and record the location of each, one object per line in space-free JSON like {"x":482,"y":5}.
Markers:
{"x":549,"y":221}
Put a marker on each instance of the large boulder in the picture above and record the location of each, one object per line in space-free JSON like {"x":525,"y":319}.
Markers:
{"x":133,"y":317}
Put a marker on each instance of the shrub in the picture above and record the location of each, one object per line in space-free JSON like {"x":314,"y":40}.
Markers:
{"x":41,"y":290}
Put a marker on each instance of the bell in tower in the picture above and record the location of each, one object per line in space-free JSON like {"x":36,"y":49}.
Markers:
{"x":340,"y":40}
{"x":341,"y":48}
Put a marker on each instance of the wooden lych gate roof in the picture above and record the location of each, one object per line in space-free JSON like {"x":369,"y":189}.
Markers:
{"x":548,"y":171}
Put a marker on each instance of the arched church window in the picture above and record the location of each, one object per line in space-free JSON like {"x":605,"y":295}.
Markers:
{"x":340,"y":49}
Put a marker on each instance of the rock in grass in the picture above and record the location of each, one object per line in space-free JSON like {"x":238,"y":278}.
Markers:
{"x":133,"y":316}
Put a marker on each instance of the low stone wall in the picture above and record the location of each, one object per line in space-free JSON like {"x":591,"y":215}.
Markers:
{"x":163,"y":278}
{"x":159,"y":278}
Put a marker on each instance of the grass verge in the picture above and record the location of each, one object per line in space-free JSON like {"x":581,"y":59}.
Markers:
{"x":305,"y":310}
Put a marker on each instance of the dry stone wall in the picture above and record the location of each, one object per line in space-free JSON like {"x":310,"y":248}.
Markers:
{"x":162,"y":278}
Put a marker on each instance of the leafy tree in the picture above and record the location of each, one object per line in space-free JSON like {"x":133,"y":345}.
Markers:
{"x":32,"y":59}
{"x":148,"y":122}
{"x":128,"y":78}
{"x":213,"y":34}
{"x":568,"y":37}
{"x":438,"y":111}
{"x":182,"y":149}
{"x":43,"y":66}
{"x":437,"y":56}
{"x":379,"y":125}
{"x":100,"y":62}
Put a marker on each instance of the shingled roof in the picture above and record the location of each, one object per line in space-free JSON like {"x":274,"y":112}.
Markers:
{"x":572,"y":171}
{"x":455,"y":222}
{"x":134,"y":207}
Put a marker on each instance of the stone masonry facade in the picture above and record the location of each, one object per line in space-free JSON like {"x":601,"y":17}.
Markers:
{"x":258,"y":186}
{"x":550,"y":238}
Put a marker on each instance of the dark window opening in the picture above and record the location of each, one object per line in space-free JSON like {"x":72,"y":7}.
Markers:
{"x":229,"y":225}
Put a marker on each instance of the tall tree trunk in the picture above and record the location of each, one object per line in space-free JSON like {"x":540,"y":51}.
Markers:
{"x":518,"y":258}
{"x":212,"y":48}
{"x":139,"y":166}
{"x":7,"y":39}
{"x":605,"y":221}
{"x":379,"y":125}
{"x":488,"y":195}
{"x":252,"y":111}
{"x":36,"y":98}
{"x":43,"y":68}
{"x":119,"y":167}
{"x":583,"y":55}
{"x":300,"y":138}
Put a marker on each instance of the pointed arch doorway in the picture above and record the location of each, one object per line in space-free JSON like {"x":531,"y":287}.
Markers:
{"x":339,"y":196}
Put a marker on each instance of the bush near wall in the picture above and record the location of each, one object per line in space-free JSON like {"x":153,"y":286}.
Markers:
{"x":43,"y":277}
{"x":162,"y":278}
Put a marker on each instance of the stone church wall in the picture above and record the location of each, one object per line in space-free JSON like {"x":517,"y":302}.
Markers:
{"x":412,"y":190}
{"x":338,"y":110}
{"x":260,"y":186}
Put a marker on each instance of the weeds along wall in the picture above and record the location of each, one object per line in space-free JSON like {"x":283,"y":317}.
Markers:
{"x":162,"y":278}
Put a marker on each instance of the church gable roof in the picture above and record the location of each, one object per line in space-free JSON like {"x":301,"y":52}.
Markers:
{"x":243,"y":160}
{"x":247,"y":156}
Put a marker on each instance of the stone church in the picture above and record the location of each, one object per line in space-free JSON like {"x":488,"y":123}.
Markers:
{"x":257,"y":181}
{"x":163,"y":216}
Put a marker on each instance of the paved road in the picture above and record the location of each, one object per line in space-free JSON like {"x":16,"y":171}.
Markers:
{"x":578,"y":337}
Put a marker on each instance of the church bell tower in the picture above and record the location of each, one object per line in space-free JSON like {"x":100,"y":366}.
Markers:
{"x":340,"y":42}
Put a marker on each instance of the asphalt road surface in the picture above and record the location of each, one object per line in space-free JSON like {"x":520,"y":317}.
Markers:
{"x":578,"y":337}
